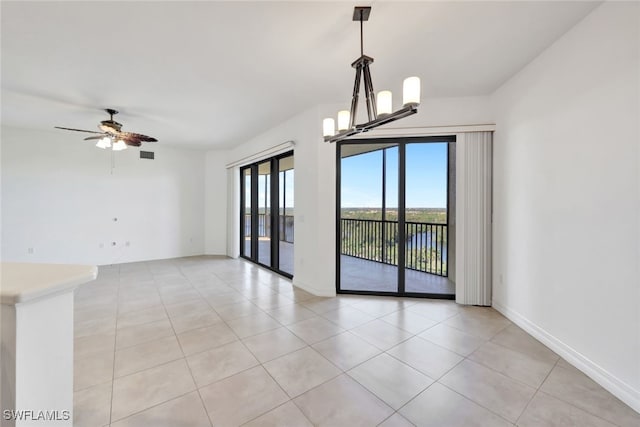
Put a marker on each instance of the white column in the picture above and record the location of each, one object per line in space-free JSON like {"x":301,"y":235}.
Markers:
{"x":37,"y":342}
{"x":233,"y":212}
{"x":473,"y":218}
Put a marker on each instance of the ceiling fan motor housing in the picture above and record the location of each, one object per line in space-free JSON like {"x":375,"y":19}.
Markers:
{"x":110,"y":126}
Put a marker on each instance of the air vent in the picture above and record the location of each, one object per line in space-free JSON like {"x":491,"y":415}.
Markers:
{"x":147,"y":155}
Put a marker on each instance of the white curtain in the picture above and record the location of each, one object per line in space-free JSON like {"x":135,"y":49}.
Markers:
{"x":473,"y":218}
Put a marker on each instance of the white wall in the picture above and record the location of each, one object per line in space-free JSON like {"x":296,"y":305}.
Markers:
{"x":60,"y":198}
{"x":216,"y":199}
{"x":566,"y":198}
{"x":312,"y":262}
{"x":315,"y":180}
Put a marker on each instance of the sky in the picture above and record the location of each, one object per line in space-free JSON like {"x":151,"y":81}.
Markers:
{"x":426,"y":178}
{"x":290,"y":179}
{"x":426,"y":182}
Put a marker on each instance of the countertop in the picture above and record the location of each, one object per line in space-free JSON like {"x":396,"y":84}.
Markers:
{"x":23,"y":282}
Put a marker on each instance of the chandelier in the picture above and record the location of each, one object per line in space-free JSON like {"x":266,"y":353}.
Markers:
{"x":379,"y":111}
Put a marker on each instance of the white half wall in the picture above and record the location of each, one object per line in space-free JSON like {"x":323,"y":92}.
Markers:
{"x":567,"y":198}
{"x":60,"y":200}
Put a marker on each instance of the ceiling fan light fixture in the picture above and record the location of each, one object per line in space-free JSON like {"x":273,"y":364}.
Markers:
{"x":380,"y":110}
{"x":104,"y":143}
{"x":119,"y":145}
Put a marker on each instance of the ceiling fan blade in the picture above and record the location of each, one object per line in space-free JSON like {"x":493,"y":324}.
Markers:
{"x":132,"y":142}
{"x":79,"y":130}
{"x":89,"y":138}
{"x":136,"y":136}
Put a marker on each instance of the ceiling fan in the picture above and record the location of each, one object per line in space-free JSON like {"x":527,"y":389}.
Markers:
{"x":112,"y":135}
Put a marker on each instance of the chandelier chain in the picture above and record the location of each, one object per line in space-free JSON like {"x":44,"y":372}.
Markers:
{"x":361,"y":35}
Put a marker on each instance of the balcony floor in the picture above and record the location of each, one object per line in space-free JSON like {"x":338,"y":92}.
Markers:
{"x":264,"y":253}
{"x":363,"y":275}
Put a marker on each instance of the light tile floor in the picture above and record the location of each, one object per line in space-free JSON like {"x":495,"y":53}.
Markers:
{"x":205,"y":341}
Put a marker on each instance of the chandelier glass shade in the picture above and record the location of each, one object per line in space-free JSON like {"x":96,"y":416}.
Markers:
{"x":380,"y":108}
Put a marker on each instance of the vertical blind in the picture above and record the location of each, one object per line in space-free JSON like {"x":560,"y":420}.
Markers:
{"x":473,"y":218}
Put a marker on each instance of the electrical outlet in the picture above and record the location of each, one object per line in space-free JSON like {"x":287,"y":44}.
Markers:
{"x":30,"y":251}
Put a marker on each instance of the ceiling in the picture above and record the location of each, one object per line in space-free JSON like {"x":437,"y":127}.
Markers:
{"x":214,"y":74}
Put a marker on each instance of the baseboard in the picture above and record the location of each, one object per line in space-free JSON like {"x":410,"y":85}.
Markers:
{"x":312,"y":290}
{"x":611,"y":383}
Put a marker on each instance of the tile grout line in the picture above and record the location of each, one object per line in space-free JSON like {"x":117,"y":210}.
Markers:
{"x":133,"y":414}
{"x":142,"y":370}
{"x":186,"y":361}
{"x":238,"y":340}
{"x":476,"y":403}
{"x":394,"y":413}
{"x":566,"y":402}
{"x":113,"y":367}
{"x":536,"y":392}
{"x":256,"y":281}
{"x":466,"y":358}
{"x":260,"y":364}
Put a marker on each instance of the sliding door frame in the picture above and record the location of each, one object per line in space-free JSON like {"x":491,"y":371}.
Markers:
{"x":402,"y":145}
{"x":274,"y":220}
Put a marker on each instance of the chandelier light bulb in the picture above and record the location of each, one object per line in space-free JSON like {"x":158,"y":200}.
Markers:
{"x":119,"y":145}
{"x":328,"y":127}
{"x":411,"y":91}
{"x":384,"y":103}
{"x":344,"y":117}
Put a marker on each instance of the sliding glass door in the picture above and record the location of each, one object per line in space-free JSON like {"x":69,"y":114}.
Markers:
{"x":427,"y":219}
{"x":393,"y":216}
{"x":245,"y":212}
{"x":369,"y":204}
{"x":286,"y":203}
{"x":266,"y":213}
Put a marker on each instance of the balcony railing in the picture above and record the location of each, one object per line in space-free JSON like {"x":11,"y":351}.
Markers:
{"x":375,"y":240}
{"x":287,"y":229}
